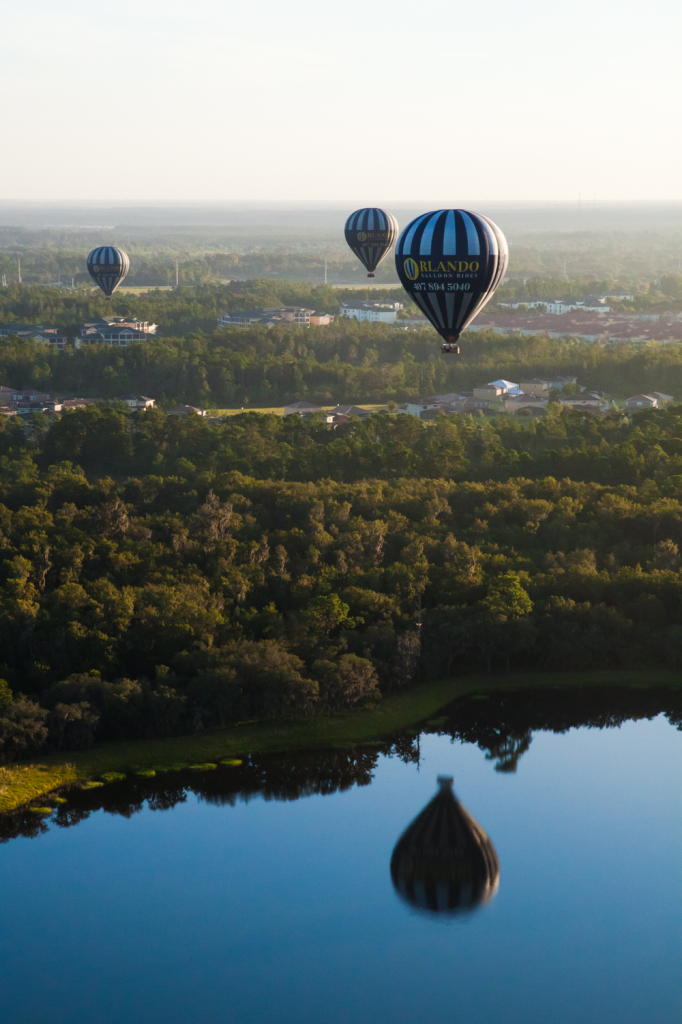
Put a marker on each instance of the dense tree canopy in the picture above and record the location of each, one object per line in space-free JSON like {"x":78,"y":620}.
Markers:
{"x":160,"y":575}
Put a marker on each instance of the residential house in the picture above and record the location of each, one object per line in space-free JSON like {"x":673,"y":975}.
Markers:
{"x":489,"y":392}
{"x":524,"y":403}
{"x":26,"y":407}
{"x":319,"y":319}
{"x":416,"y":408}
{"x":301,"y":409}
{"x":35,"y":332}
{"x":452,"y":402}
{"x":137,"y":402}
{"x":543,"y":385}
{"x":16,"y":395}
{"x":661,"y":398}
{"x":641,"y":402}
{"x":582,"y":398}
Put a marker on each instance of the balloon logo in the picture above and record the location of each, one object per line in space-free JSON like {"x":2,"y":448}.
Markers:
{"x":411,"y":270}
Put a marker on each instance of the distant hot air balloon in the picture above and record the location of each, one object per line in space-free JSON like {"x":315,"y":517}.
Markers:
{"x":450,"y":262}
{"x":370,"y":233}
{"x":444,"y":862}
{"x":107,"y":266}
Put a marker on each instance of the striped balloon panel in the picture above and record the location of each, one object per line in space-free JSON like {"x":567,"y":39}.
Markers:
{"x":108,"y":266}
{"x":370,"y":233}
{"x":450,"y":262}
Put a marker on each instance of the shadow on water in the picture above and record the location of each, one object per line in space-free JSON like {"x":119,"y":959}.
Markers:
{"x":444,"y":863}
{"x":501,"y":723}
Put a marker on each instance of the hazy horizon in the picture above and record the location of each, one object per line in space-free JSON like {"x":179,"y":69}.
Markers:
{"x":235,"y":103}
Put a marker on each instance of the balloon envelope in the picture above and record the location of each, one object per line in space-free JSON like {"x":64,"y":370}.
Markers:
{"x":444,"y":862}
{"x":107,"y":266}
{"x":450,"y":262}
{"x":370,"y":233}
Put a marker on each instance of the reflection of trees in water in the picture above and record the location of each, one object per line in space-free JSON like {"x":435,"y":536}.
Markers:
{"x":507,"y":752}
{"x":501,"y":724}
{"x":270,"y":777}
{"x":290,"y":776}
{"x":444,"y":863}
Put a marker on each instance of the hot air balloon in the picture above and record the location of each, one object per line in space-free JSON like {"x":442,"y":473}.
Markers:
{"x":370,"y":233}
{"x":444,"y":862}
{"x":107,"y":266}
{"x":450,"y":262}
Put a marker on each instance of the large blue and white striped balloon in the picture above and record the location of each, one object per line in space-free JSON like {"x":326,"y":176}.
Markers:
{"x":370,"y":233}
{"x":450,"y":262}
{"x":107,"y":266}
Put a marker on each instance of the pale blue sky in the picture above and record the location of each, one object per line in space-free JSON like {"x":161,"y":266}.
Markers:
{"x":264,"y":100}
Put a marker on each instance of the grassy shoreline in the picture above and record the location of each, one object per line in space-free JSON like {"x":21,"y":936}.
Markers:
{"x":21,"y":782}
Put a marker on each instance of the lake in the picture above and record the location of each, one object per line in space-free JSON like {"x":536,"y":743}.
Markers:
{"x":264,"y":893}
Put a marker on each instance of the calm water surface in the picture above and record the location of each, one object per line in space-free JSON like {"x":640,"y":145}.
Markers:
{"x":219,"y":905}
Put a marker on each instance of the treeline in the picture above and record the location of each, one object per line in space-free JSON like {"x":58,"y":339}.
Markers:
{"x":185,"y":581}
{"x":606,"y":450}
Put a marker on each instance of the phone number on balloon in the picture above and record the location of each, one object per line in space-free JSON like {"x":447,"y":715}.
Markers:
{"x":434,"y":286}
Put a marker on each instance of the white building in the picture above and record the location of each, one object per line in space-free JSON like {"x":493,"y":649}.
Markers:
{"x":558,"y":306}
{"x":136,"y":402}
{"x":376,"y":312}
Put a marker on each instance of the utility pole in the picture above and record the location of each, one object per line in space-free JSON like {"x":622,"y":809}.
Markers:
{"x":19,"y":266}
{"x":325,"y":270}
{"x":177,"y":273}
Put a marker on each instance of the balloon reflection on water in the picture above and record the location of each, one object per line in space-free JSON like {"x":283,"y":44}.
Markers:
{"x":444,"y":863}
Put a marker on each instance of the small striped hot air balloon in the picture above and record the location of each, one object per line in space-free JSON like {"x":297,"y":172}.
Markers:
{"x":370,"y":233}
{"x":107,"y":266}
{"x":450,"y":262}
{"x":444,"y":862}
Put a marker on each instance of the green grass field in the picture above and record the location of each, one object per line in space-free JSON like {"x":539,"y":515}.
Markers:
{"x":22,"y":782}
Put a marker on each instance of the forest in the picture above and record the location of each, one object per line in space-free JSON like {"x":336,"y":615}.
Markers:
{"x":162,"y":576}
{"x":193,"y":361}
